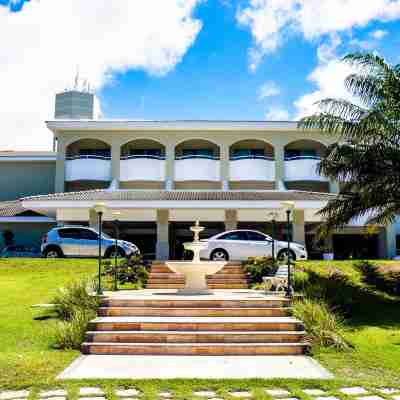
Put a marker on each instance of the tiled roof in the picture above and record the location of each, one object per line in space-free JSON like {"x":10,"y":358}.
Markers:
{"x":10,"y":208}
{"x":176,"y":195}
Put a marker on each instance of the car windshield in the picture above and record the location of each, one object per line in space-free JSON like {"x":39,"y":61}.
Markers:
{"x":106,"y":236}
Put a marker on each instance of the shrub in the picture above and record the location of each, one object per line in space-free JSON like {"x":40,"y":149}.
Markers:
{"x":71,"y":334}
{"x":387,"y":280}
{"x":77,"y":295}
{"x":132,"y":270}
{"x":324,"y":328}
{"x":258,"y":267}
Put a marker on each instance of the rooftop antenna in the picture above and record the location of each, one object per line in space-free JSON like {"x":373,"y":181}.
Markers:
{"x":76,"y":79}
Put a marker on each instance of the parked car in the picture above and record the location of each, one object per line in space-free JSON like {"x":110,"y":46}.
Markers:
{"x":241,"y":244}
{"x":20,"y":251}
{"x":81,"y":241}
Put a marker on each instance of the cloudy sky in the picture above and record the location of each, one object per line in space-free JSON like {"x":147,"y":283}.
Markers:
{"x":182,"y":59}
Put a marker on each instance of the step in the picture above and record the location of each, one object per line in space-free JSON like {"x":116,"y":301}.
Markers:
{"x":210,"y":281}
{"x":195,"y":348}
{"x":198,"y":303}
{"x":194,"y":337}
{"x":227,"y":276}
{"x":195,"y":324}
{"x":194,"y":312}
{"x":211,"y":286}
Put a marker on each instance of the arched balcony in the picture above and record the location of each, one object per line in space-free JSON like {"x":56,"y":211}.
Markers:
{"x":251,"y":161}
{"x":142,"y":160}
{"x":88,"y":160}
{"x":302,"y":158}
{"x":197,"y":160}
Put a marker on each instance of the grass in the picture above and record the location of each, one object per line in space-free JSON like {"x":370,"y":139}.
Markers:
{"x":27,"y":358}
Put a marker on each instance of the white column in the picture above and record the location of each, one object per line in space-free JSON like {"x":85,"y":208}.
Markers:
{"x":93,"y":219}
{"x":162,"y":247}
{"x":115,"y":164}
{"x":299,"y":235}
{"x":60,"y":167}
{"x":224,"y":166}
{"x":169,"y":167}
{"x":231,"y":220}
{"x":279,"y":152}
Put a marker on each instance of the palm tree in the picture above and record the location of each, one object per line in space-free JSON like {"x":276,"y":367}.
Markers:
{"x":366,"y":160}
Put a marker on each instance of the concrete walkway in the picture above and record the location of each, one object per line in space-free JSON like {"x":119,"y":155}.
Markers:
{"x":201,"y":367}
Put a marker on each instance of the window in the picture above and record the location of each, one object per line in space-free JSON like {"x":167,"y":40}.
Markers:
{"x":69,"y":233}
{"x":397,"y":245}
{"x":238,"y":235}
{"x":86,"y":234}
{"x":105,"y":153}
{"x":248,"y":153}
{"x":300,"y":153}
{"x":145,"y":152}
{"x":255,"y":236}
{"x":198,"y":152}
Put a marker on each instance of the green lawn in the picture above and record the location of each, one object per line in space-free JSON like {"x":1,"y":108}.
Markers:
{"x":28,"y":360}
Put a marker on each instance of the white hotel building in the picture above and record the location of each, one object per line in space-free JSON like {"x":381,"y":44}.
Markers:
{"x":163,"y":175}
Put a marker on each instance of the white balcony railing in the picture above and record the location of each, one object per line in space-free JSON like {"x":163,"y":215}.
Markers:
{"x":251,"y":169}
{"x":142,"y":168}
{"x":303,"y":168}
{"x":88,"y":168}
{"x":193,"y":168}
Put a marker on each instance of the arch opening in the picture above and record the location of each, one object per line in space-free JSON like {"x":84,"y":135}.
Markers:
{"x":89,"y":149}
{"x":197,"y":148}
{"x":251,"y":149}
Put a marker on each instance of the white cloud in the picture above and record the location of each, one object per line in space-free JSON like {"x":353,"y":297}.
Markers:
{"x":272,"y":21}
{"x":378,"y":34}
{"x":268,"y":89}
{"x":48,"y":39}
{"x":277,"y":114}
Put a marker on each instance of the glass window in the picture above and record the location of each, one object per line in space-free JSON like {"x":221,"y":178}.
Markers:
{"x":145,"y":152}
{"x":95,"y":152}
{"x":238,"y":235}
{"x":398,"y":245}
{"x":198,"y":152}
{"x":69,"y":233}
{"x":87,"y":234}
{"x":256,"y":236}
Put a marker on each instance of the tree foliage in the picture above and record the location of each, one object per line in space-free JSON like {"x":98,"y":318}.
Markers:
{"x":366,"y":159}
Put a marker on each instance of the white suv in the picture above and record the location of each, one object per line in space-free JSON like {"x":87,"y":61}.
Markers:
{"x":242,"y":244}
{"x":81,"y":241}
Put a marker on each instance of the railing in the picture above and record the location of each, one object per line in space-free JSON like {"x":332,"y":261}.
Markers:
{"x":255,"y":168}
{"x":142,"y":156}
{"x":318,"y":158}
{"x":197,"y":156}
{"x":251,"y":157}
{"x":87,"y":157}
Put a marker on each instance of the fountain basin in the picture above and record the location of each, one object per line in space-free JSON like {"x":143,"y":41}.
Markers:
{"x":195,"y":274}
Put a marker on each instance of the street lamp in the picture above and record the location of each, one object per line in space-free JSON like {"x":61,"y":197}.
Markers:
{"x":116,"y":215}
{"x":273,"y":215}
{"x":288,"y":206}
{"x":99,"y":208}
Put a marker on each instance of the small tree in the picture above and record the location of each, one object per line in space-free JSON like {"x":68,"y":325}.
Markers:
{"x":8,"y":237}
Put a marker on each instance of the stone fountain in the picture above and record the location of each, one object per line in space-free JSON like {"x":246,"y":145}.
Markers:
{"x":195,"y":271}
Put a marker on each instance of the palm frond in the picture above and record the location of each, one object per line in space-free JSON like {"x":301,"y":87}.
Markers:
{"x":367,"y":88}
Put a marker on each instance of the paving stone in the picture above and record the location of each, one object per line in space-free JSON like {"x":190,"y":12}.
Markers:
{"x":326,"y":398}
{"x":205,"y":393}
{"x":353,"y":391}
{"x":56,"y":398}
{"x":92,"y":398}
{"x":370,"y":398}
{"x":165,"y":395}
{"x":396,"y":397}
{"x":91,"y":391}
{"x":242,"y":394}
{"x":387,"y":390}
{"x":14,"y":394}
{"x":53,"y":393}
{"x":127,"y":392}
{"x":314,"y":392}
{"x":277,"y":392}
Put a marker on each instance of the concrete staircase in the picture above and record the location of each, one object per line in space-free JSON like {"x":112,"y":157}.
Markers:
{"x":231,"y":276}
{"x":225,"y":324}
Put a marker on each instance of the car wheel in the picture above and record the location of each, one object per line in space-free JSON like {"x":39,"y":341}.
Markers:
{"x":219,"y":255}
{"x":53,"y":252}
{"x":111,"y":252}
{"x":284,"y":253}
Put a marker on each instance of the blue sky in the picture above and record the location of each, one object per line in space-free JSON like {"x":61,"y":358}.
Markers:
{"x":194,"y":59}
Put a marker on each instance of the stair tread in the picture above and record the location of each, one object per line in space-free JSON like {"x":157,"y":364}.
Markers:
{"x":146,"y":319}
{"x":296,"y":344}
{"x":201,"y":332}
{"x":195,"y":308}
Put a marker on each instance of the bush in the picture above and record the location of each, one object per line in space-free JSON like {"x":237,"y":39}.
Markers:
{"x":71,"y":334}
{"x":258,"y":267}
{"x":324,"y":328}
{"x":76,"y":295}
{"x":132,"y":270}
{"x":386,"y":280}
{"x":75,"y":306}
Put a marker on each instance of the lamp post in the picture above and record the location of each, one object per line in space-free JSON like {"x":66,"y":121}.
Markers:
{"x":99,"y":208}
{"x":288,"y":206}
{"x":273,"y":215}
{"x":116,"y":215}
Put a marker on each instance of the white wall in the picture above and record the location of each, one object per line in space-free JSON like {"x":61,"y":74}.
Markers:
{"x":197,"y":169}
{"x":142,"y":169}
{"x":251,"y":170}
{"x":87,"y":169}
